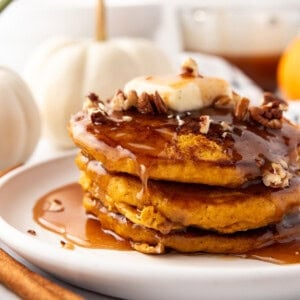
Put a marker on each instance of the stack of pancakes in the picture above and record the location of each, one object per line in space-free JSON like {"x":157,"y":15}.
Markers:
{"x":216,"y":179}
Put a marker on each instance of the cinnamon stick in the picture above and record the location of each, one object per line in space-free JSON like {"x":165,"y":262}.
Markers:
{"x":30,"y":285}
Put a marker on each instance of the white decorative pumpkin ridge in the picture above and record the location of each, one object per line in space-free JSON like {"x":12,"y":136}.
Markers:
{"x":63,"y":72}
{"x":19,"y":120}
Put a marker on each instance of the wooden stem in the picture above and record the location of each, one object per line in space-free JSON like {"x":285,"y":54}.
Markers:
{"x":3,"y":4}
{"x":100,"y":21}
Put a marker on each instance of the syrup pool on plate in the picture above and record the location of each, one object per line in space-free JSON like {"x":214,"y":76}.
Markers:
{"x":61,"y":211}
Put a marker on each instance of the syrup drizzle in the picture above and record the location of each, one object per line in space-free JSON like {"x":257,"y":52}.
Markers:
{"x":72,"y":223}
{"x":146,"y":141}
{"x":79,"y":228}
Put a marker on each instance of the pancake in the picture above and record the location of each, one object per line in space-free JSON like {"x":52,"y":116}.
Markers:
{"x":182,"y":162}
{"x":189,"y":240}
{"x":161,"y":148}
{"x":166,"y":206}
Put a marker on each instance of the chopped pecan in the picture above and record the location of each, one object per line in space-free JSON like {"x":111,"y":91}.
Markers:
{"x":117,"y":101}
{"x":204,"y":124}
{"x":132,"y":99}
{"x":160,"y":105}
{"x":121,"y":102}
{"x":93,"y":97}
{"x":224,"y":134}
{"x":98,"y":117}
{"x":98,"y":112}
{"x":266,"y":116}
{"x":276,"y":176}
{"x":144,"y":104}
{"x":226,"y":126}
{"x":91,"y":102}
{"x":270,"y":113}
{"x":31,"y":231}
{"x":241,"y":108}
{"x":275,"y":102}
{"x":190,"y":68}
{"x":67,"y":245}
{"x":148,"y":104}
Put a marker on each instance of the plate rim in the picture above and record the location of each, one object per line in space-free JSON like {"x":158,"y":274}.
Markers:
{"x":153,"y":263}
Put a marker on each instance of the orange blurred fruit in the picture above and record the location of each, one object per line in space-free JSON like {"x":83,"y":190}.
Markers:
{"x":288,"y":72}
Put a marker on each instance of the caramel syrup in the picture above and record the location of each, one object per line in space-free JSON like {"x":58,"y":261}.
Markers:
{"x":6,"y":171}
{"x":261,"y":68}
{"x":67,"y":217}
{"x":61,"y":211}
{"x":146,"y":139}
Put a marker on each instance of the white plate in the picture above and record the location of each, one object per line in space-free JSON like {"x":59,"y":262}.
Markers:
{"x":128,"y":274}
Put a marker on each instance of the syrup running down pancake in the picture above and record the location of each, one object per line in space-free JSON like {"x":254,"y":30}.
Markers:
{"x":158,"y":172}
{"x":171,"y":146}
{"x":171,"y":206}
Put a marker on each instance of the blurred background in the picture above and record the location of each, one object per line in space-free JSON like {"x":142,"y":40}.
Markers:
{"x":255,"y":45}
{"x":252,"y":35}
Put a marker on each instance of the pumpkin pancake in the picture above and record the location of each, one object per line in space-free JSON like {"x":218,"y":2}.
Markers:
{"x":182,"y":162}
{"x":157,"y":147}
{"x":187,"y":240}
{"x":187,"y":128}
{"x":166,"y":206}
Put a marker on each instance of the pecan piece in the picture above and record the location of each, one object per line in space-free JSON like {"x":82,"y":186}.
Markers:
{"x":132,"y":99}
{"x":226,"y":126}
{"x":190,"y":68}
{"x":98,"y":117}
{"x":91,"y":102}
{"x":149,"y":104}
{"x":160,"y":105}
{"x":268,"y":117}
{"x":144,"y":104}
{"x":67,"y":245}
{"x":276,"y":176}
{"x":270,"y":113}
{"x":204,"y":124}
{"x":117,"y":101}
{"x":31,"y":231}
{"x":241,"y":108}
{"x":93,"y":97}
{"x":271,"y":101}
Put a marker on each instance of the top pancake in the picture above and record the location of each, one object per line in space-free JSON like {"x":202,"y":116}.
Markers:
{"x":171,"y":147}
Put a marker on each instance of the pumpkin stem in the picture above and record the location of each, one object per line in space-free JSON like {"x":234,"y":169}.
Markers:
{"x":100,"y":21}
{"x":3,"y":4}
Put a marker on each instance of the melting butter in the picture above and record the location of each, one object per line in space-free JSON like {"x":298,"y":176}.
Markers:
{"x":183,"y":92}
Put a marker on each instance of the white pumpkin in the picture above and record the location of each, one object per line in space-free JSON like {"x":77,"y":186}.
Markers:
{"x":63,"y":72}
{"x":19,"y":120}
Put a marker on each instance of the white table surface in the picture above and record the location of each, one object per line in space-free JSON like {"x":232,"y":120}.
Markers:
{"x":44,"y":151}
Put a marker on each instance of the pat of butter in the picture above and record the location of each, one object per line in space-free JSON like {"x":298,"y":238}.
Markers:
{"x":181,"y":93}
